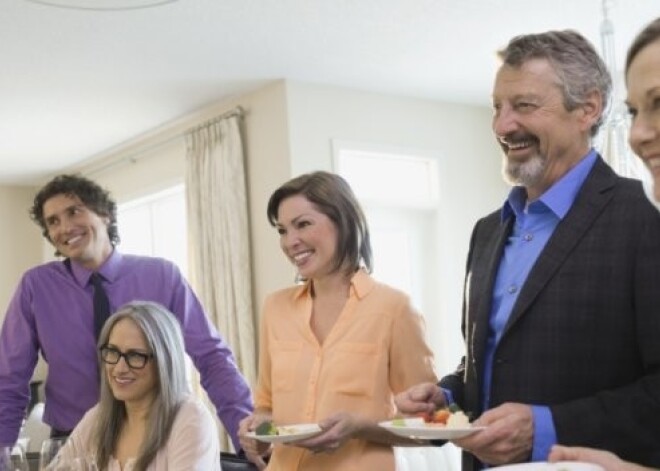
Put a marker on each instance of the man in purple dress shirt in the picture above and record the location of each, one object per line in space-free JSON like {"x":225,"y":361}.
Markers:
{"x":52,"y":312}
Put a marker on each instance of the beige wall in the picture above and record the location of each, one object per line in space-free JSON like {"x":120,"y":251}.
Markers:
{"x":21,"y":247}
{"x":20,"y":240}
{"x":290,"y":127}
{"x":468,"y":162}
{"x":156,"y":161}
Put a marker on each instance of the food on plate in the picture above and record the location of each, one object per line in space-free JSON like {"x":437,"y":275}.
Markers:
{"x":438,"y":416}
{"x":399,"y":422}
{"x":452,"y":417}
{"x":458,"y":419}
{"x":449,"y":417}
{"x":447,"y":423}
{"x":266,"y":428}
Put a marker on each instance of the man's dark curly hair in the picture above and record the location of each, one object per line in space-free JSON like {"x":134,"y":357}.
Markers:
{"x":91,"y":194}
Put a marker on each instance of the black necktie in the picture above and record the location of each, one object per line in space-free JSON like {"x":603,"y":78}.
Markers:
{"x":101,"y":304}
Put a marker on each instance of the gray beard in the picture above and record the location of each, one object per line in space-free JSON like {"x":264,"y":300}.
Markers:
{"x":527,"y":174}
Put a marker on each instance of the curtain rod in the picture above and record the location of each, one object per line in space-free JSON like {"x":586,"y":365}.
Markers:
{"x":137,"y":155}
{"x":238,"y":112}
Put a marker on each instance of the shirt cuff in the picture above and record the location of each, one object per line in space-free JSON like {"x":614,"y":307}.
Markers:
{"x":449,"y":397}
{"x":545,"y":434}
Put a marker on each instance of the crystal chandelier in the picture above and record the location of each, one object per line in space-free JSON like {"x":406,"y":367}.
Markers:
{"x":613,"y":138}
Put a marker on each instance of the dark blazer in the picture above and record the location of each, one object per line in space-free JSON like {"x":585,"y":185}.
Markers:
{"x":584,"y":335}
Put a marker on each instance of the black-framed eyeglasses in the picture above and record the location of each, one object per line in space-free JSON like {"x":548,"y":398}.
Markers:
{"x":133,"y":359}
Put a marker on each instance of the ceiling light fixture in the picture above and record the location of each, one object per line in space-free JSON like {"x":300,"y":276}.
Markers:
{"x":613,"y":143}
{"x":103,"y":4}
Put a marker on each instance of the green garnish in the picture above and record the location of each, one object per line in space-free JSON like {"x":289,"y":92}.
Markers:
{"x":266,"y":428}
{"x":400,"y":422}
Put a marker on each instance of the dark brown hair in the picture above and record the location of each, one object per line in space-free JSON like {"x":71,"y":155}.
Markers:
{"x":332,"y":196}
{"x":91,"y":194}
{"x":649,"y":34}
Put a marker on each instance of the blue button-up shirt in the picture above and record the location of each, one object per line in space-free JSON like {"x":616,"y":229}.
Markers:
{"x":534,"y":224}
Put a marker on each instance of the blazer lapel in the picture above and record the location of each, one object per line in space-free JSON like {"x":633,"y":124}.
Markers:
{"x":590,"y":201}
{"x":482,"y":278}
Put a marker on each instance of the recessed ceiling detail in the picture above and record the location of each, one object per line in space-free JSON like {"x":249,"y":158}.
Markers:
{"x":103,"y":4}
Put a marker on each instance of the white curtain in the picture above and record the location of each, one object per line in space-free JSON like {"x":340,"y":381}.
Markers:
{"x":219,"y":239}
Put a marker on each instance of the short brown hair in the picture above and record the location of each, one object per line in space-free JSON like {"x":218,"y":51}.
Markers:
{"x":332,"y":196}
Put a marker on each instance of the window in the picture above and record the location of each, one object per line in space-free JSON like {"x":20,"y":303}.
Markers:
{"x":156,"y":226}
{"x":382,"y":178}
{"x":398,"y":190}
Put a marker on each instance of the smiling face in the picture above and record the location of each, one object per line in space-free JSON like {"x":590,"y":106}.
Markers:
{"x":540,"y":138}
{"x":643,"y":80}
{"x":307,"y":237}
{"x":76,"y":231}
{"x":136,"y":387}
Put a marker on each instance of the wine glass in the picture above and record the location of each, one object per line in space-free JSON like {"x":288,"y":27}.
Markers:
{"x":12,"y":458}
{"x":49,"y":450}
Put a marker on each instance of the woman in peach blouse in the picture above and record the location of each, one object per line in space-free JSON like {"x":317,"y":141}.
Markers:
{"x":334,"y":350}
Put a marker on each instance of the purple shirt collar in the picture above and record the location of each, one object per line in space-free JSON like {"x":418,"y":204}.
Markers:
{"x":108,"y":269}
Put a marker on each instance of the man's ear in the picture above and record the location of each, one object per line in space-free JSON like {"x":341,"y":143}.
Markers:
{"x":591,"y":110}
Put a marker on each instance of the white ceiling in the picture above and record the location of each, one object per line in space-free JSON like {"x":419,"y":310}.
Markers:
{"x":76,"y":83}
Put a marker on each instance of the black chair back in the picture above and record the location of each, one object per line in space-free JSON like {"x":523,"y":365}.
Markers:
{"x":33,"y":460}
{"x":232,"y":462}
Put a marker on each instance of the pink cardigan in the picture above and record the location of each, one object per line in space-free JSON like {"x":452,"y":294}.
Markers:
{"x":192,"y":444}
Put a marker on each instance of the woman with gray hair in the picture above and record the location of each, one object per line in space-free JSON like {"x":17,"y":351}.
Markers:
{"x":146,"y":418}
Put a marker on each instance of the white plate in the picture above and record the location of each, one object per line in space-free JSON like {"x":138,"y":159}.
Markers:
{"x":289,"y":433}
{"x":415,"y":428}
{"x":560,"y":466}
